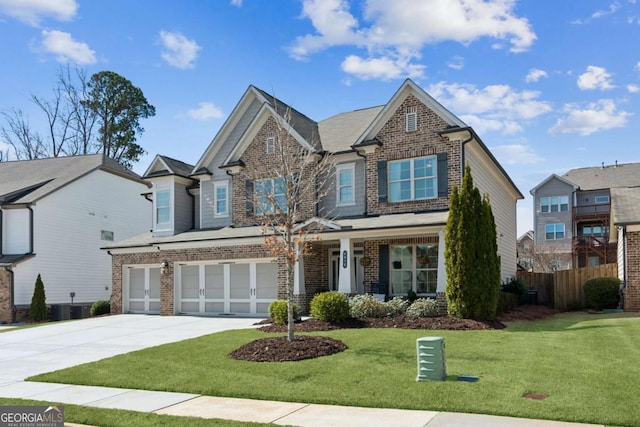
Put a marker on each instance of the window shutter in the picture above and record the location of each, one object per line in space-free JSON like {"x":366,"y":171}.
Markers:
{"x":249,"y":200}
{"x":382,"y":181}
{"x":443,"y":178}
{"x":383,"y":267}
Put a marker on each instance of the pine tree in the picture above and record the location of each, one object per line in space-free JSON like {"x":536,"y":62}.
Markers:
{"x":38,"y":310}
{"x":471,"y":258}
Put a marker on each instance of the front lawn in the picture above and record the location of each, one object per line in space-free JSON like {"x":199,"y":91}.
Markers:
{"x":585,"y":364}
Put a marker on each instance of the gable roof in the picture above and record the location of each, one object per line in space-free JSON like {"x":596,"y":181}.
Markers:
{"x":408,"y":87}
{"x":551,"y":177}
{"x":26,"y":181}
{"x":527,"y":235}
{"x":597,"y":178}
{"x":625,"y":205}
{"x":165,"y":166}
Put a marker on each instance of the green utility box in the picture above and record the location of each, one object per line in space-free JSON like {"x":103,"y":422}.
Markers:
{"x":431,"y":365}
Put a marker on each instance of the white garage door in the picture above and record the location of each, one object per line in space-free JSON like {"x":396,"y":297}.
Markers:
{"x":142,"y":290}
{"x":229,"y":288}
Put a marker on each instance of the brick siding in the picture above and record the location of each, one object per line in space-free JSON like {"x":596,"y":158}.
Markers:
{"x":632,"y":293}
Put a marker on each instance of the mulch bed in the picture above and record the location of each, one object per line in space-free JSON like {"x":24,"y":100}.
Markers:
{"x":279,"y":349}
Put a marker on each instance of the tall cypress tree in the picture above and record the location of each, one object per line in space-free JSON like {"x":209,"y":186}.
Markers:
{"x":471,"y":259}
{"x":38,"y":309}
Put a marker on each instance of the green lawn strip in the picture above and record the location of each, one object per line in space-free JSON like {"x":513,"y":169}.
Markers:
{"x":121,"y":418}
{"x":583,"y":363}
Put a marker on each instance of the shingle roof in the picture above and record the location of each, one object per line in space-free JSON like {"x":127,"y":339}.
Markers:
{"x":25,"y":181}
{"x":306,"y":127}
{"x":625,"y":205}
{"x":340,"y":132}
{"x":596,"y":178}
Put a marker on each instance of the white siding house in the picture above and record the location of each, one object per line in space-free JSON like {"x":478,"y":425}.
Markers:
{"x":57,"y":229}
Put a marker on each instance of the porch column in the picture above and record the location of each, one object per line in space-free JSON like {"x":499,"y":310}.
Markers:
{"x":298,"y":273}
{"x":347,"y":271}
{"x":442,"y":271}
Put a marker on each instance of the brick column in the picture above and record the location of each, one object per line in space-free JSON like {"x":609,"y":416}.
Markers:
{"x":6,"y":313}
{"x":632,"y":293}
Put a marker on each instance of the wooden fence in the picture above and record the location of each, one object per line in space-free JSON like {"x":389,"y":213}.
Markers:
{"x":563,"y":289}
{"x":567,"y":285}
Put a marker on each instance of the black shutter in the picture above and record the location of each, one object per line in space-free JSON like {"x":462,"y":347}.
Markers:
{"x":382,"y":181}
{"x":249,"y":200}
{"x":443,"y":177}
{"x":383,"y":267}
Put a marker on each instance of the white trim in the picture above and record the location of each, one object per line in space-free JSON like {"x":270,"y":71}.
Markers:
{"x":351,"y":167}
{"x":412,"y":178}
{"x":163,"y":187}
{"x":270,"y":145}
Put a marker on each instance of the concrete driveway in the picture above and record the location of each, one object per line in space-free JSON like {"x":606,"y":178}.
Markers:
{"x":32,"y":351}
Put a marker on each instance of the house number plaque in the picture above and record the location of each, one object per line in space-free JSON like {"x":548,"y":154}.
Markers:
{"x":344,"y":259}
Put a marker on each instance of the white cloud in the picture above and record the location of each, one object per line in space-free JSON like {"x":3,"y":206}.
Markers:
{"x":613,"y":7}
{"x":396,"y":32}
{"x":33,"y":11}
{"x":633,"y":88}
{"x":535,"y":75}
{"x":237,"y":3}
{"x":597,"y":116}
{"x":637,"y":67}
{"x":66,"y":49}
{"x":178,"y":51}
{"x":205,"y":111}
{"x":497,"y":108}
{"x":457,"y":63}
{"x":380,"y":68}
{"x":595,"y":78}
{"x":516,"y":154}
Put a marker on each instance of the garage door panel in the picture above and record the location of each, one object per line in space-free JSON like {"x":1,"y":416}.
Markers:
{"x":214,"y":307}
{"x":189,"y":279}
{"x":266,"y":281}
{"x":136,"y":283}
{"x":240,"y":281}
{"x":240,"y":307}
{"x":214,"y":281}
{"x":154,"y":284}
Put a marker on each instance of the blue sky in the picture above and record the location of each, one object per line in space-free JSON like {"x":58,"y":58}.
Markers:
{"x":548,"y":85}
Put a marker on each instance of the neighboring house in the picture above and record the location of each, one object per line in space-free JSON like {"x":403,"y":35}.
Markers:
{"x":625,"y":232}
{"x":572,"y":216}
{"x":525,"y":251}
{"x":55,"y":215}
{"x":396,"y":166}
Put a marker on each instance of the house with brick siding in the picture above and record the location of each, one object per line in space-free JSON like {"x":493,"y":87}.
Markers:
{"x":55,"y":215}
{"x":395,"y":167}
{"x":625,"y":233}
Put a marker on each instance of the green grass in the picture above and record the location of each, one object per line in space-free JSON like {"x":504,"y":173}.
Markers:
{"x":114,"y":417}
{"x":585,"y":364}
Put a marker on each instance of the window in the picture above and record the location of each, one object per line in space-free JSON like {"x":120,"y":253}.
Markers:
{"x":601,"y":199}
{"x":554,"y":231}
{"x":106,"y":235}
{"x":554,"y":204}
{"x":163,"y":208}
{"x":411,"y":119}
{"x":271,"y":145}
{"x":414,"y":267}
{"x":220,"y":201}
{"x":270,"y":196}
{"x":595,"y":230}
{"x":345,"y":187}
{"x":413,"y":179}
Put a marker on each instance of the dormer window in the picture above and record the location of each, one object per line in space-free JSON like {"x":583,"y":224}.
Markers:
{"x":412,"y":119}
{"x":271,"y":145}
{"x":163,"y":207}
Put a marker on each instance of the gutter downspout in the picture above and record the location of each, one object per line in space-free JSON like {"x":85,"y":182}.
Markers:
{"x":12,"y":302}
{"x":193,"y":209}
{"x":366,"y":203}
{"x":1,"y":236}
{"x":462,"y":156}
{"x":30,"y":229}
{"x":624,"y":270}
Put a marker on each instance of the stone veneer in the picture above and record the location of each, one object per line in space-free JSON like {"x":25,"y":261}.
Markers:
{"x":6,"y":309}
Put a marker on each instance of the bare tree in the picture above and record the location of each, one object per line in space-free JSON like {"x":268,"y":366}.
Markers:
{"x":26,"y":144}
{"x":58,"y":121}
{"x":287,"y":189}
{"x":81,"y":120}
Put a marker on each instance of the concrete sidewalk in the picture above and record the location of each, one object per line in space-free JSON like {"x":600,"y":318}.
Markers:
{"x":31,"y":351}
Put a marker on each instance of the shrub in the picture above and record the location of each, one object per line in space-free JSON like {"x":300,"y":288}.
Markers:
{"x":396,"y":306}
{"x":516,"y":286}
{"x":100,"y":307}
{"x":602,"y":292}
{"x":279,"y":311}
{"x":411,"y":295}
{"x":330,"y":306}
{"x":38,"y":309}
{"x":366,"y":306}
{"x":423,"y":307}
{"x":507,"y":302}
